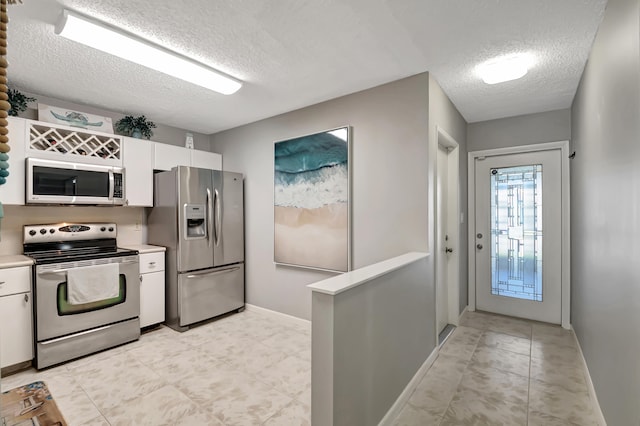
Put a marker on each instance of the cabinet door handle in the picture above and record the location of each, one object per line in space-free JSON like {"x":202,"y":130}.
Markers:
{"x":140,"y":278}
{"x":26,"y":297}
{"x":152,"y":263}
{"x":2,"y":282}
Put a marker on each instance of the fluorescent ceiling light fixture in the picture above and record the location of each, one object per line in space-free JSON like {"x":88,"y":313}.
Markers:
{"x":126,"y":46}
{"x":506,"y":68}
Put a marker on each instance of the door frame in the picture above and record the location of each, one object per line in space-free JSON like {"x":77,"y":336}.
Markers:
{"x":453,"y":208}
{"x":563,"y":146}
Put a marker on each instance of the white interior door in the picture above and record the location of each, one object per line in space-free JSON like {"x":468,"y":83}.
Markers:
{"x":442,"y":258}
{"x":518,"y":235}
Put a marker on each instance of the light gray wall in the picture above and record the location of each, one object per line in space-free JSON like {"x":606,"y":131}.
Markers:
{"x":528,"y":129}
{"x":443,"y":114}
{"x":605,"y":213}
{"x":389,"y":169}
{"x":165,"y":134}
{"x":374,"y":338}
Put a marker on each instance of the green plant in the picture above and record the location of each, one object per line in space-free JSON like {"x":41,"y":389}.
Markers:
{"x":18,"y":102}
{"x":130,"y":125}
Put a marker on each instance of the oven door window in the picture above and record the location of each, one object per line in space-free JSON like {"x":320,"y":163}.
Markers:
{"x":65,"y":308}
{"x":81,"y":183}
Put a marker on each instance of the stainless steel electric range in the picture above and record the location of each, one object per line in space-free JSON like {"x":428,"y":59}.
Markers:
{"x":86,"y":290}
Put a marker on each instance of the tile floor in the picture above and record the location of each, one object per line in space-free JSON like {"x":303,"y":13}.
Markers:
{"x":496,"y":370}
{"x":253,"y":368}
{"x":246,"y":369}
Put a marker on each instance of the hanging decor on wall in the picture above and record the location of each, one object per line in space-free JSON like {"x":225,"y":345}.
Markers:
{"x":312,"y":201}
{"x":5,"y":106}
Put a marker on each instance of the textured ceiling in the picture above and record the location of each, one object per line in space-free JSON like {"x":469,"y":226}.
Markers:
{"x":294,"y":53}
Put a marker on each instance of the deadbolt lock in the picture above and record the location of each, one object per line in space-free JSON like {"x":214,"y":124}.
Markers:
{"x":479,"y":235}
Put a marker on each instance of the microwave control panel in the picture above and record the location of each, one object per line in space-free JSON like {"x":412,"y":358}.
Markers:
{"x":117,"y":185}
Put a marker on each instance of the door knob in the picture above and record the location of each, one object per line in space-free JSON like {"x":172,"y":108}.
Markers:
{"x":479,"y":246}
{"x":448,"y":250}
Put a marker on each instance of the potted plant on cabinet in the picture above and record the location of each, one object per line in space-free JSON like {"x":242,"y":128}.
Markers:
{"x":18,"y":102}
{"x":136,"y":127}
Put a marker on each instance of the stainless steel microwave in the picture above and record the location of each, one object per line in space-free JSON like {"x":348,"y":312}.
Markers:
{"x":61,"y":182}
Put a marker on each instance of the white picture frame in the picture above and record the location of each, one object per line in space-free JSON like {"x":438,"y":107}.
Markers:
{"x":312,"y":201}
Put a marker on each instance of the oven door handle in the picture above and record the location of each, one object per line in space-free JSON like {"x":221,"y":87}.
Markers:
{"x":120,"y":261}
{"x":55,"y":271}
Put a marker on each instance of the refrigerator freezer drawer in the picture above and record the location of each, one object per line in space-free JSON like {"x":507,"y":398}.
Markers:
{"x":209,"y":293}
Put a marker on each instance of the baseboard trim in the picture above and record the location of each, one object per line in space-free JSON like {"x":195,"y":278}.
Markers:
{"x":397,"y":406}
{"x":462,"y":313}
{"x":592,"y":390}
{"x":289,"y":318}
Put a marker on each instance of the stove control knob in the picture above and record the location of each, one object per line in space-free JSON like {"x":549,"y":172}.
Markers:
{"x":43,"y":231}
{"x":51,"y":231}
{"x":103,"y":229}
{"x":111,"y":229}
{"x":32,"y":232}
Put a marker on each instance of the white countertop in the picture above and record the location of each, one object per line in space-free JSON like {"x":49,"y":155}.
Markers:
{"x":145,"y":248}
{"x":14,"y":260}
{"x":343,"y":282}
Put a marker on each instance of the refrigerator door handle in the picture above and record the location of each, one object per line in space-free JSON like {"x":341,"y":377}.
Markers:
{"x":218,"y":218}
{"x":209,"y":217}
{"x":221,"y":271}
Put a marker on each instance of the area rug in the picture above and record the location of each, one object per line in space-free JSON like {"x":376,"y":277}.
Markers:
{"x":29,"y":405}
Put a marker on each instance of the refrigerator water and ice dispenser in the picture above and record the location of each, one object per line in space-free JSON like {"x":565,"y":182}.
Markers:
{"x":195,"y":221}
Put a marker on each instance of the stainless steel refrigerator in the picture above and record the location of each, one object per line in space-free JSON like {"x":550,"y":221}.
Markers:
{"x":198,"y":216}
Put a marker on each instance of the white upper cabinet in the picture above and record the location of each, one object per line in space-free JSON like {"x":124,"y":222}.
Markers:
{"x":139,"y":157}
{"x":73,"y":144}
{"x":12,"y":192}
{"x":169,"y":156}
{"x":206,"y":160}
{"x":138,"y":164}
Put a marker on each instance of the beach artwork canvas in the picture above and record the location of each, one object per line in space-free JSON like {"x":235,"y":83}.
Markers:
{"x":311,"y":197}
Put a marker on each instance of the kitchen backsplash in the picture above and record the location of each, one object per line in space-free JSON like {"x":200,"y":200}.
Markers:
{"x":131,"y":222}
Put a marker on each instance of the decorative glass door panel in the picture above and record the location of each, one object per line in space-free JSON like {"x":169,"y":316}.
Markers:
{"x":516,"y":232}
{"x":518,"y":235}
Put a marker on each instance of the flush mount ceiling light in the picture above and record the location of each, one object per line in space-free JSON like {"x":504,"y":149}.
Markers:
{"x":506,"y":68}
{"x":126,"y":46}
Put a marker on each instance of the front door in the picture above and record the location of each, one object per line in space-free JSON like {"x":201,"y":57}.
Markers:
{"x":518,"y":235}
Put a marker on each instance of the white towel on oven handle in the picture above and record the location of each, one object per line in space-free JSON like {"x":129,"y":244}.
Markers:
{"x":88,"y":284}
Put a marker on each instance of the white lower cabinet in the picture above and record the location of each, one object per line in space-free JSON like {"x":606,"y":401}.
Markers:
{"x":16,"y":324}
{"x":151,"y":289}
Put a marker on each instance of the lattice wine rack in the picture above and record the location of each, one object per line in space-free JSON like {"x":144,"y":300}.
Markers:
{"x":73,"y":142}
